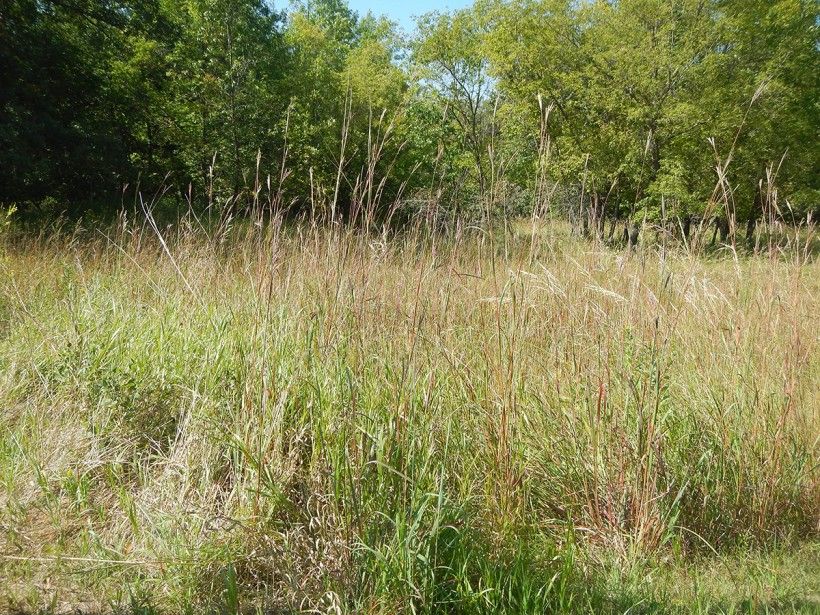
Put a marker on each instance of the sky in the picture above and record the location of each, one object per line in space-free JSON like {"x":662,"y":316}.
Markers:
{"x":403,"y":11}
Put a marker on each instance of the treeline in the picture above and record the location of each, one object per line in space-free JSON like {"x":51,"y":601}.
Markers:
{"x":666,"y":110}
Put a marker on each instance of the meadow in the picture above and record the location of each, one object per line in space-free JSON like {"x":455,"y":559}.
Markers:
{"x":302,"y":417}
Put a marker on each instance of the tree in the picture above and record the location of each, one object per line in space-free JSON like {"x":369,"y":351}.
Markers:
{"x":650,"y":97}
{"x":640,"y":109}
{"x":61,"y":128}
{"x":224,"y":103}
{"x":451,"y":47}
{"x":768,"y":54}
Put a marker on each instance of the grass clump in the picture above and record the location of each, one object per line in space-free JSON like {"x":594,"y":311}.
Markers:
{"x":317,"y":421}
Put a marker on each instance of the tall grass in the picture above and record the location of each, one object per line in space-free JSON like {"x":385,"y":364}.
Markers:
{"x":307,"y":418}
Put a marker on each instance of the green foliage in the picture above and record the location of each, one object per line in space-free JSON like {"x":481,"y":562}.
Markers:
{"x":222,"y":108}
{"x":630,"y":105}
{"x":451,"y":48}
{"x":638,"y":89}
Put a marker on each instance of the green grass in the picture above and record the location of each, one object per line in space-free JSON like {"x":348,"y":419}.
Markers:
{"x":301,"y":420}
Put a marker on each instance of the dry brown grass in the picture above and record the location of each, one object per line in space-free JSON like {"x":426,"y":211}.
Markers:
{"x":312,"y":415}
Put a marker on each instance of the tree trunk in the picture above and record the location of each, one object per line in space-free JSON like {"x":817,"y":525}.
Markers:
{"x":751,"y":225}
{"x":615,"y":218}
{"x":600,"y":212}
{"x":633,"y":235}
{"x":724,"y":230}
{"x":686,"y":227}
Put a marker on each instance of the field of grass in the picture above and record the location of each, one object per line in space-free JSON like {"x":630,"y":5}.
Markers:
{"x":316,"y":420}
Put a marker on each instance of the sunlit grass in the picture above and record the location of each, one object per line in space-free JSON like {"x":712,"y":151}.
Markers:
{"x":304,"y":418}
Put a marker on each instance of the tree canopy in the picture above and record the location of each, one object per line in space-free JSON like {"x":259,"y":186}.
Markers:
{"x":643,"y":108}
